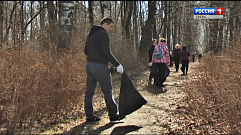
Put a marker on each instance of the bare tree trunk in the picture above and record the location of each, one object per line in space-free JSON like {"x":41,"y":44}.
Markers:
{"x":237,"y":15}
{"x":231,"y":26}
{"x":115,"y":10}
{"x":160,"y":15}
{"x":52,"y":24}
{"x":141,"y":17}
{"x":22,"y":23}
{"x":10,"y":22}
{"x":135,"y":27}
{"x":1,"y":22}
{"x":108,"y":9}
{"x":31,"y":15}
{"x":168,"y":26}
{"x":128,"y":18}
{"x":123,"y":14}
{"x":165,"y":20}
{"x":146,"y":32}
{"x":66,"y":22}
{"x":102,"y":9}
{"x":42,"y":25}
{"x":90,"y":9}
{"x":175,"y":20}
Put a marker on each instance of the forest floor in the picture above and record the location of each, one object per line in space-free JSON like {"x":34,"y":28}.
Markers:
{"x":164,"y":113}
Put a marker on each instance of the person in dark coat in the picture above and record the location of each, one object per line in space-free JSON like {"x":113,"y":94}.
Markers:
{"x":200,"y":57}
{"x":97,"y":49}
{"x":176,"y":53}
{"x":193,"y":57}
{"x":150,"y":52}
{"x":184,"y":59}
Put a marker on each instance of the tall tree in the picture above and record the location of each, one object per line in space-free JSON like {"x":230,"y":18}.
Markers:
{"x":1,"y":22}
{"x":102,"y":9}
{"x":169,"y":25}
{"x":91,"y":16}
{"x":146,"y":32}
{"x":108,"y":8}
{"x":127,"y":18}
{"x":174,"y":22}
{"x":231,"y":19}
{"x":165,"y":20}
{"x":52,"y":22}
{"x":135,"y":27}
{"x":10,"y":22}
{"x":22,"y":22}
{"x":66,"y":21}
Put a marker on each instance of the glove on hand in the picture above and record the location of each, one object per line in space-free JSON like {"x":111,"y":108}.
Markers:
{"x":120,"y":69}
{"x":150,"y":64}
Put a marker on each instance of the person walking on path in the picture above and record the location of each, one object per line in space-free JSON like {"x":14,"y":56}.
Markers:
{"x":193,"y":57}
{"x":200,"y":57}
{"x":150,"y":52}
{"x":176,"y":53}
{"x":97,"y":70}
{"x":184,"y":59}
{"x":161,"y":63}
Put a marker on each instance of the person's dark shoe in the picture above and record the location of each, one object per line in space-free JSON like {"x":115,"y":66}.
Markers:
{"x":115,"y":117}
{"x":93,"y":119}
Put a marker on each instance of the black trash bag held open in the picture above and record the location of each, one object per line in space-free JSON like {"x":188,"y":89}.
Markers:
{"x":130,"y":99}
{"x":166,"y":72}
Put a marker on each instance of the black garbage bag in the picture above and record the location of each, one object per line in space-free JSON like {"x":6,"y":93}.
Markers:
{"x":166,"y":72}
{"x":130,"y":99}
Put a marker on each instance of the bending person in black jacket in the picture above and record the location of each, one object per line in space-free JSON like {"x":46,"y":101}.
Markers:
{"x":150,"y":52}
{"x":97,"y":70}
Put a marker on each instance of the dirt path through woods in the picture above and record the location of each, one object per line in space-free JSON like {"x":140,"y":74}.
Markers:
{"x":160,"y":114}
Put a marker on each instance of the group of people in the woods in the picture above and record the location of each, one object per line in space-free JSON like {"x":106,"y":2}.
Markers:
{"x":158,"y":66}
{"x":97,"y":50}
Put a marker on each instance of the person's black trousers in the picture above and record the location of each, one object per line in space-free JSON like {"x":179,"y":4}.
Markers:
{"x":184,"y":67}
{"x":177,"y":61}
{"x":151,"y":73}
{"x":159,"y":76}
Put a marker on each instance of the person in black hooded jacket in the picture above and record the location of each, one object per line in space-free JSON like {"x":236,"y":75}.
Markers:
{"x":97,"y":70}
{"x":150,"y":52}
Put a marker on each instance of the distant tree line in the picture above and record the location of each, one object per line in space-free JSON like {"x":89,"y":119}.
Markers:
{"x":52,"y":23}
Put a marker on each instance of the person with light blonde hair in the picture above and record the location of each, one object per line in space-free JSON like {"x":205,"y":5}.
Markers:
{"x":176,"y":53}
{"x":177,"y":46}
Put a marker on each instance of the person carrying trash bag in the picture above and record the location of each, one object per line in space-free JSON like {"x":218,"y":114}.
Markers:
{"x":160,"y":59}
{"x":97,"y":70}
{"x":130,"y":99}
{"x":150,"y":52}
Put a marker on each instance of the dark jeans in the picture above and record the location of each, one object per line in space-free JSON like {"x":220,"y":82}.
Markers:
{"x":100,"y":73}
{"x":184,"y":67}
{"x":151,"y":73}
{"x":159,"y":76}
{"x":177,"y":61}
